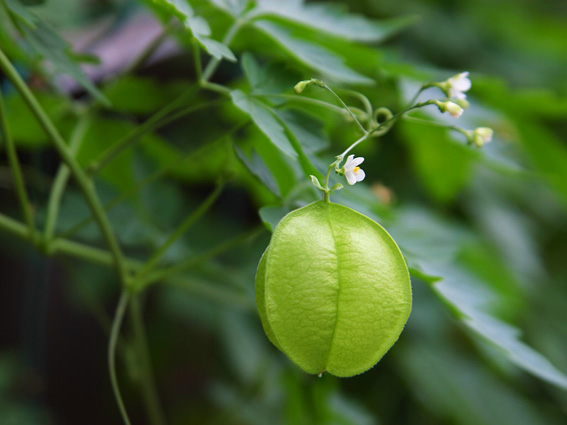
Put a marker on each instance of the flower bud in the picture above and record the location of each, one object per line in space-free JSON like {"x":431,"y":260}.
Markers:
{"x":299,"y":87}
{"x":481,"y":136}
{"x":451,"y":107}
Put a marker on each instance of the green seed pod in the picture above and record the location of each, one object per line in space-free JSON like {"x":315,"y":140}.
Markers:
{"x":332,"y":289}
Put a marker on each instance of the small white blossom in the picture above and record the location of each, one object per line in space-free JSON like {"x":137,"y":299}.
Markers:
{"x":458,"y":85}
{"x":352,"y":171}
{"x":454,"y":110}
{"x":481,"y":136}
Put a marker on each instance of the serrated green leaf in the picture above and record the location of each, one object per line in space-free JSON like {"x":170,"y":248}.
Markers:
{"x":257,"y":167}
{"x":326,"y":62}
{"x":53,"y":48}
{"x":468,"y":299}
{"x":264,"y":120}
{"x":331,"y":19}
{"x":22,"y":12}
{"x":217,"y":49}
{"x":198,"y":26}
{"x":272,"y":78}
{"x":308,"y":130}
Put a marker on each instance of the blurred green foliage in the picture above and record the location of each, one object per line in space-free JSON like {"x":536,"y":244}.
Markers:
{"x":484,"y":231}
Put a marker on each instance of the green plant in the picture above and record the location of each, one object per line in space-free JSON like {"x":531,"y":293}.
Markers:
{"x":252,"y":134}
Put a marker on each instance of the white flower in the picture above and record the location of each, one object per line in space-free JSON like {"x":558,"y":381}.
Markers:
{"x":481,"y":136}
{"x":457,"y":85}
{"x":454,"y":110}
{"x":352,"y":171}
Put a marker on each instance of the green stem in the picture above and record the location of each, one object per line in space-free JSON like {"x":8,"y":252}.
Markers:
{"x":197,"y":59}
{"x":308,"y":100}
{"x":326,"y":87}
{"x":433,"y":124}
{"x":20,"y":186}
{"x":415,"y":96}
{"x":351,"y":147}
{"x":84,"y":183}
{"x":114,"y":334}
{"x":61,"y":179}
{"x":218,"y":88}
{"x":181,"y":229}
{"x":155,"y":175}
{"x":104,"y":258}
{"x":14,"y":227}
{"x":229,"y":298}
{"x":91,"y":254}
{"x":134,"y":136}
{"x":149,"y":391}
{"x":214,"y":62}
{"x":364,"y":100}
{"x":195,"y":261}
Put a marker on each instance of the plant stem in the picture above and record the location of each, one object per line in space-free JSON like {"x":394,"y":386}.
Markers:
{"x":326,"y":87}
{"x":104,"y":258}
{"x":114,"y":334}
{"x":20,"y":186}
{"x":84,"y":183}
{"x":214,"y":62}
{"x":197,"y":59}
{"x":351,"y":147}
{"x":149,"y":392}
{"x":91,"y":254}
{"x":181,"y":229}
{"x":155,"y":175}
{"x":108,"y":155}
{"x":191,"y":262}
{"x":14,"y":227}
{"x":61,"y":180}
{"x":308,"y":100}
{"x":134,"y":136}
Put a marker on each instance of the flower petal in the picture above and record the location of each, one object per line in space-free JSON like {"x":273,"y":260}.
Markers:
{"x":358,"y":161}
{"x":360,"y":175}
{"x":350,"y":177}
{"x":348,"y":163}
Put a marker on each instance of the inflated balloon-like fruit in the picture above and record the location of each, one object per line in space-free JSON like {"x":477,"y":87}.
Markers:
{"x":332,"y":289}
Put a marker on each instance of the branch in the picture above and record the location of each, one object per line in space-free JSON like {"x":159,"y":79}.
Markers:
{"x":84,"y":183}
{"x":21,"y":191}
